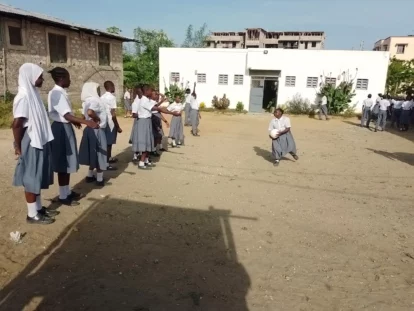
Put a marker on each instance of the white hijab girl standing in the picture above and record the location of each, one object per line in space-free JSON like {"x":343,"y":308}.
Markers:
{"x":32,"y":134}
{"x":176,"y":127}
{"x":93,"y":147}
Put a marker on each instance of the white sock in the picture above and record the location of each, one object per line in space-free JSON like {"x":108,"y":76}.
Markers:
{"x":90,"y":173}
{"x":135,"y":157}
{"x":141,"y":163}
{"x":68,"y":191}
{"x":63,"y":193}
{"x":99,"y":176}
{"x":173,"y":143}
{"x":32,"y":209}
{"x":146,"y":160}
{"x":39,"y":202}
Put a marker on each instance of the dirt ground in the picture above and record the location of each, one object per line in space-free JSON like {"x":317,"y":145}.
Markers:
{"x":216,"y":227}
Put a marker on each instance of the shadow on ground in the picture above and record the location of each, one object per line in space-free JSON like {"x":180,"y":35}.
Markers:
{"x":400,"y":156}
{"x":267,"y":155}
{"x":126,"y":255}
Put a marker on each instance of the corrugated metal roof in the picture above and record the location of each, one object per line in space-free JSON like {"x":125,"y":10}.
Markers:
{"x":58,"y":22}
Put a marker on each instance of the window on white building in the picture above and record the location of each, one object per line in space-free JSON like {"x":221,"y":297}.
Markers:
{"x":401,"y":48}
{"x":15,"y":36}
{"x":223,"y":79}
{"x":238,"y":79}
{"x":362,"y":84}
{"x":331,"y":81}
{"x":290,"y":81}
{"x":201,"y":78}
{"x":312,"y":82}
{"x":174,"y":77}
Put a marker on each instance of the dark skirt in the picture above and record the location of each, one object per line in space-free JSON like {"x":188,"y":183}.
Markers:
{"x":65,"y":155}
{"x":111,"y":135}
{"x":405,"y":117}
{"x":34,"y":167}
{"x":145,"y":136}
{"x":157,"y":126}
{"x":133,"y":140}
{"x":93,"y":149}
{"x":283,"y":145}
{"x":176,"y":128}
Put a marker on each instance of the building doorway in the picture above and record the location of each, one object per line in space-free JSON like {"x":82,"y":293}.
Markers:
{"x":263,"y":93}
{"x":271,"y":86}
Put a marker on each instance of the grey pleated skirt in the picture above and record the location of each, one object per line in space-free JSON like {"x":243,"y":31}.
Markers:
{"x":157,"y":126}
{"x":145,"y":136}
{"x":34,"y":167}
{"x":405,"y":117}
{"x":65,"y":155}
{"x":127,"y":104}
{"x":111,"y":135}
{"x":133,"y":140}
{"x":283,"y":145}
{"x":195,"y":121}
{"x":187,"y":110}
{"x":176,"y":128}
{"x":93,"y":149}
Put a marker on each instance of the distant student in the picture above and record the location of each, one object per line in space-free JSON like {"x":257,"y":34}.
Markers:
{"x":65,"y":156}
{"x":195,"y":115}
{"x":176,"y":127}
{"x":382,"y":114}
{"x":112,"y":128}
{"x":32,"y":134}
{"x":374,"y":113}
{"x":366,"y":110}
{"x":127,"y":103}
{"x":405,"y":114}
{"x":396,"y":112}
{"x":93,"y":147}
{"x":134,"y":132}
{"x":156,"y":119}
{"x":323,"y":109}
{"x":284,"y":143}
{"x":379,"y":98}
{"x":187,"y":107}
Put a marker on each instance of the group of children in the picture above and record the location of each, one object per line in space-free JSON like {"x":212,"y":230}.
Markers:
{"x":44,"y":148}
{"x":398,"y":110}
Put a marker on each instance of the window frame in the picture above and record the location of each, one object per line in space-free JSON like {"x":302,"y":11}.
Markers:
{"x":361,"y":83}
{"x":403,"y":46}
{"x":330,"y":79}
{"x":311,"y":84}
{"x":288,"y":81}
{"x":200,"y":81}
{"x":59,"y":33}
{"x":238,"y":76}
{"x":226,"y":76}
{"x":100,"y":40}
{"x":22,"y":27}
{"x":171,"y":77}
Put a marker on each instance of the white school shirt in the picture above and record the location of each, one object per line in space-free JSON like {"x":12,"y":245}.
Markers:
{"x":109,"y":100}
{"x":135,"y":104}
{"x":397,"y":104}
{"x":99,"y":108}
{"x":175,"y":107}
{"x":368,"y":103}
{"x":384,"y":104}
{"x":378,"y":99}
{"x":21,"y":110}
{"x":145,"y":107}
{"x":155,"y":104}
{"x":188,"y":98}
{"x":127,"y":95}
{"x":279,"y":124}
{"x":59,"y":104}
{"x":324,"y":101}
{"x":407,"y":105}
{"x":195,"y":105}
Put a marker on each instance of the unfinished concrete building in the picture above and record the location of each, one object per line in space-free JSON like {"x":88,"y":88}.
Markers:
{"x":260,"y":38}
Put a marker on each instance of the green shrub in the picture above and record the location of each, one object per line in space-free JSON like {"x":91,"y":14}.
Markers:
{"x":222,"y":103}
{"x":202,"y":105}
{"x":239,"y":107}
{"x":338,"y":97}
{"x":298,"y":105}
{"x":173,"y":91}
{"x":6,"y":114}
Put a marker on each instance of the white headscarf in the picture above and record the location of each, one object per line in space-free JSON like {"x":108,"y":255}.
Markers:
{"x":89,"y":90}
{"x":38,"y":124}
{"x":91,"y":100}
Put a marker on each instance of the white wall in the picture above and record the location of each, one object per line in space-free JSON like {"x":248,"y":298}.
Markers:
{"x":371,"y":65}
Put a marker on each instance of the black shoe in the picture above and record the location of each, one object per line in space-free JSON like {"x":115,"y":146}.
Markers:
{"x":48,"y":212}
{"x":276,"y":163}
{"x":162,"y":149}
{"x":145,"y":167}
{"x":111,"y":168}
{"x":68,"y":202}
{"x":295,"y":157}
{"x":155,"y":154}
{"x":150,"y":164}
{"x":113,"y":160}
{"x":40,"y":220}
{"x":100,"y":183}
{"x":90,"y":180}
{"x":75,"y":196}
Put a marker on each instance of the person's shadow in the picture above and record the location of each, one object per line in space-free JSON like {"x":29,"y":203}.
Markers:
{"x":267,"y":155}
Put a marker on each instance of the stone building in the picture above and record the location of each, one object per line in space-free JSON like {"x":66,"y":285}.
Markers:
{"x":88,"y":54}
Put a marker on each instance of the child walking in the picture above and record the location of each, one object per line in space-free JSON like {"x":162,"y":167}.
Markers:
{"x":32,"y":134}
{"x":195,"y":115}
{"x":133,"y":140}
{"x":156,"y":119}
{"x":93,"y":147}
{"x":176,"y":127}
{"x":65,"y":156}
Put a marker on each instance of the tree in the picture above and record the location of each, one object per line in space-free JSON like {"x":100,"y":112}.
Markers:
{"x":195,"y":38}
{"x":115,"y":30}
{"x":400,"y":77}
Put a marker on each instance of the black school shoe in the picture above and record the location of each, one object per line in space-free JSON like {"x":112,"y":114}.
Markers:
{"x":48,"y":212}
{"x":155,"y":154}
{"x":40,"y":220}
{"x":276,"y":163}
{"x":100,"y":183}
{"x":90,"y":180}
{"x":68,"y":202}
{"x":75,"y":196}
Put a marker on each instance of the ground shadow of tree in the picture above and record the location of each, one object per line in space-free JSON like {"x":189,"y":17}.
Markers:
{"x":126,"y":255}
{"x":400,"y":156}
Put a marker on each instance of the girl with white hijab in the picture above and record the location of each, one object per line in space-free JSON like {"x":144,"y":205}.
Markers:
{"x":32,"y":134}
{"x":93,"y":147}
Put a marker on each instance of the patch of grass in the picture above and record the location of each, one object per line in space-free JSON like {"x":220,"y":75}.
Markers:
{"x":6,"y":114}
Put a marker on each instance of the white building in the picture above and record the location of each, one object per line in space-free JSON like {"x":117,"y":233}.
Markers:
{"x":255,"y":76}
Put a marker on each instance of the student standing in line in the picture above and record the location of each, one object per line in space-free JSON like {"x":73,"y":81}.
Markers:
{"x":127,"y":103}
{"x":134,"y":133}
{"x":396,"y":112}
{"x":323,"y":109}
{"x":195,"y":115}
{"x":366,"y":110}
{"x":65,"y":156}
{"x":382,"y":114}
{"x":156,"y":119}
{"x":112,"y":128}
{"x":405,"y":114}
{"x":32,"y":134}
{"x":176,"y":128}
{"x":93,"y":147}
{"x":374,"y":113}
{"x":187,"y":107}
{"x":285,"y":142}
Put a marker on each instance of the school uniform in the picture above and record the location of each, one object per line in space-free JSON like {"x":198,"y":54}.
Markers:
{"x":405,"y":112}
{"x":93,"y":147}
{"x":65,"y":156}
{"x":157,"y":130}
{"x":127,"y":101}
{"x":34,"y":167}
{"x":285,"y":143}
{"x":366,"y":110}
{"x":109,"y":100}
{"x":134,"y":132}
{"x":194,"y":115}
{"x":145,"y":135}
{"x":323,"y":108}
{"x":187,"y":109}
{"x":176,"y":126}
{"x":396,"y":112}
{"x":382,"y":114}
{"x":374,"y":113}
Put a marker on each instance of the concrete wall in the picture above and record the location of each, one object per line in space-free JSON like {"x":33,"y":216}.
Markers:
{"x":409,"y":48}
{"x":299,"y":63}
{"x":82,"y":61}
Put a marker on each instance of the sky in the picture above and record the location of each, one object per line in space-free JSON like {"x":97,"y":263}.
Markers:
{"x":347,"y":23}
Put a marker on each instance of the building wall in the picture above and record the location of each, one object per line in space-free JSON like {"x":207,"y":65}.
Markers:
{"x":390,"y":44}
{"x":82,"y":64}
{"x":299,"y":63}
